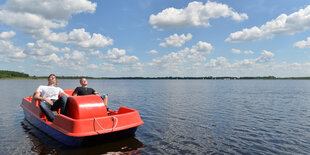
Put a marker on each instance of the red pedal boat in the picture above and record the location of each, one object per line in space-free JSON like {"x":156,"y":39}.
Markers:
{"x":86,"y":117}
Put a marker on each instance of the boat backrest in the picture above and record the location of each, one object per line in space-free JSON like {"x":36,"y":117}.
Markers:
{"x":88,"y":106}
{"x":37,"y":104}
{"x":69,"y":91}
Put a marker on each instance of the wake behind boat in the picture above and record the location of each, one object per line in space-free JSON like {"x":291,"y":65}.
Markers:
{"x":87,"y":117}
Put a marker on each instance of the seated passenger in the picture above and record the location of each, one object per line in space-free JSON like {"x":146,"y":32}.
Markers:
{"x":48,"y":97}
{"x":84,"y":90}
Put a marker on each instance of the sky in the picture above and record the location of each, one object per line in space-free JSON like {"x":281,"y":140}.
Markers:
{"x":156,"y":38}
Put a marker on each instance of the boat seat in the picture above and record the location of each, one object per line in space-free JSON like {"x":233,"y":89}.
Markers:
{"x":69,"y":91}
{"x":37,"y":104}
{"x":87,"y":106}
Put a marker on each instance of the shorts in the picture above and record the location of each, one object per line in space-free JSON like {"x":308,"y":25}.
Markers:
{"x":103,"y":96}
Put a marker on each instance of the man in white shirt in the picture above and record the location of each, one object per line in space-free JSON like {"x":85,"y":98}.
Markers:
{"x":48,"y":96}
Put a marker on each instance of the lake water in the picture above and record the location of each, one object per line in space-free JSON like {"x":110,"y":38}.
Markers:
{"x":180,"y":117}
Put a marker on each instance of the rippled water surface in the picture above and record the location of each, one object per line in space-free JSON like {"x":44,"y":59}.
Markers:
{"x":180,"y":117}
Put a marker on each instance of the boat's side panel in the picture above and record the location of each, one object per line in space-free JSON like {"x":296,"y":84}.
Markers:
{"x":68,"y":140}
{"x":30,"y":104}
{"x":97,"y":125}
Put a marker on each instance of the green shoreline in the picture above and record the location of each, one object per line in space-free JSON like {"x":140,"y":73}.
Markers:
{"x":5,"y":74}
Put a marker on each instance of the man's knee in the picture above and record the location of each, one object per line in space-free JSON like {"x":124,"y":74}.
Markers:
{"x":63,"y":98}
{"x":44,"y":105}
{"x":104,"y":96}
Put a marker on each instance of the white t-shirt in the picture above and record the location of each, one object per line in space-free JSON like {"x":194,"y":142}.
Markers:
{"x":50,"y":92}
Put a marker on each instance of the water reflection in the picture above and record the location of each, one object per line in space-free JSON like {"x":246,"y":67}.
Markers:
{"x":43,"y":144}
{"x":180,"y":116}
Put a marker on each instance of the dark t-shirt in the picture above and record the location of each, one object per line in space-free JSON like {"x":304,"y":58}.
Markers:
{"x":84,"y":91}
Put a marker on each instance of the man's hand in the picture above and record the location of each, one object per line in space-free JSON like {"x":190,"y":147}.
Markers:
{"x":66,"y":94}
{"x":48,"y":101}
{"x":37,"y":96}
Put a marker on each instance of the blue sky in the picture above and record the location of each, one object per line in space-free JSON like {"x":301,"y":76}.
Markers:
{"x":112,"y":38}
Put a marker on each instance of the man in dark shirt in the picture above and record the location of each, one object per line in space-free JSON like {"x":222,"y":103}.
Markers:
{"x":84,"y":90}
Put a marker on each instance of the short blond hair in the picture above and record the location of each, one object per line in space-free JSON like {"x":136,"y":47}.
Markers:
{"x":82,"y":79}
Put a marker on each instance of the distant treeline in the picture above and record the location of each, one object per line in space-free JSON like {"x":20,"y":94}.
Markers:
{"x":12,"y":74}
{"x":5,"y":74}
{"x":211,"y":78}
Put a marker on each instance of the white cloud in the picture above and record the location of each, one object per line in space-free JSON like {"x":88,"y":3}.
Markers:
{"x":38,"y":18}
{"x":52,"y":10}
{"x":48,"y":59}
{"x":184,"y":63}
{"x":246,"y":62}
{"x":199,"y":50}
{"x":152,"y":52}
{"x":248,"y":52}
{"x":197,"y":64}
{"x":303,"y":43}
{"x":94,"y":52}
{"x":92,"y":66}
{"x":283,"y":24}
{"x":44,"y":66}
{"x":222,"y":62}
{"x":235,"y":51}
{"x":54,"y":37}
{"x":75,"y":55}
{"x":115,"y":53}
{"x":43,"y":48}
{"x":176,"y":40}
{"x":32,"y":24}
{"x":107,"y":67}
{"x":9,"y":52}
{"x":85,"y":40}
{"x":103,"y":67}
{"x":7,"y":35}
{"x":260,"y":66}
{"x":266,"y":56}
{"x":218,"y":62}
{"x":176,"y":60}
{"x":6,"y":46}
{"x":97,"y":53}
{"x":292,"y":69}
{"x":129,"y":69}
{"x":18,"y":55}
{"x":202,"y":47}
{"x":172,"y":59}
{"x":78,"y":37}
{"x":196,"y":57}
{"x":195,"y":14}
{"x":75,"y":60}
{"x":119,"y":56}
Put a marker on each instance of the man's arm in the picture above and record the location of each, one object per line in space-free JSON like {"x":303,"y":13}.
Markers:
{"x":65,"y":94}
{"x":37,"y":96}
{"x":75,"y":92}
{"x":96,"y":93}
